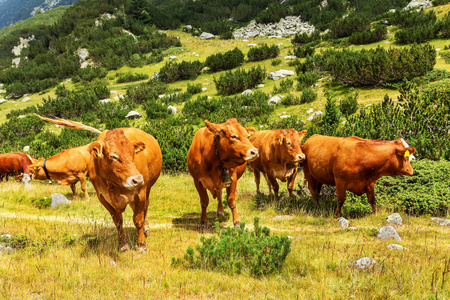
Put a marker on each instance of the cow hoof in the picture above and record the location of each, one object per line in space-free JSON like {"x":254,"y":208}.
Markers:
{"x":237,"y":224}
{"x":146,"y":230}
{"x":124,"y":248}
{"x":142,"y":249}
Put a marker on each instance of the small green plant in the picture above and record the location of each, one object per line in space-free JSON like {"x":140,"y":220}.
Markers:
{"x":308,"y":95}
{"x":285,"y":85}
{"x":43,"y":202}
{"x":275,"y":62}
{"x":194,"y":88}
{"x":307,"y":79}
{"x":349,"y":105}
{"x":237,"y":250}
{"x":129,"y":77}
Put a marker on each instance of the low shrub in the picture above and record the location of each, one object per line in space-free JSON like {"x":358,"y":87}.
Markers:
{"x":308,"y":95}
{"x":304,"y":51}
{"x":43,"y":202}
{"x":275,"y":62}
{"x":368,"y":36}
{"x":349,"y":105}
{"x":194,"y":88}
{"x":173,"y":71}
{"x":226,"y":61}
{"x":130,"y":77}
{"x":263,"y":52}
{"x":306,"y":80}
{"x":146,"y":91}
{"x":237,"y":250}
{"x":89,"y":73}
{"x":239,"y":80}
{"x":285,"y":86}
{"x":304,"y":38}
{"x":290,"y":100}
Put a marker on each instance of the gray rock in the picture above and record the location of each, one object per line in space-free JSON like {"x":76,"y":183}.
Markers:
{"x":274,"y":100}
{"x":26,"y":148}
{"x":310,"y":111}
{"x":83,"y":54}
{"x":397,"y":247}
{"x":262,"y":85}
{"x":275,"y":76}
{"x":395,"y":218}
{"x":388,"y":232}
{"x":364,"y":263}
{"x":26,"y":180}
{"x":284,"y":217}
{"x":5,"y":249}
{"x":343,"y":222}
{"x":3,"y":100}
{"x":172,"y":57}
{"x":59,"y":199}
{"x":172,"y":109}
{"x":285,"y":116}
{"x":105,"y":100}
{"x":133,"y":114}
{"x":251,"y":45}
{"x":15,"y":62}
{"x":207,"y":36}
{"x":317,"y":113}
{"x":290,"y":57}
{"x":6,"y":236}
{"x":440,"y":221}
{"x":247,"y":92}
{"x":286,"y":72}
{"x":352,"y":228}
{"x":418,"y":4}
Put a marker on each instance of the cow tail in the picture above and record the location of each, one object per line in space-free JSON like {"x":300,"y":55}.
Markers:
{"x":69,"y":124}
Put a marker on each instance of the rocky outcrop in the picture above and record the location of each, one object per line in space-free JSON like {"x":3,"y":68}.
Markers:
{"x":419,"y":4}
{"x":288,"y":26}
{"x":207,"y":36}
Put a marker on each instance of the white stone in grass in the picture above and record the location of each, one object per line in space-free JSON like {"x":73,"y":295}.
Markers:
{"x":133,"y":114}
{"x":397,"y":247}
{"x":442,"y":222}
{"x":283,"y":217}
{"x":388,"y":232}
{"x":59,"y":199}
{"x":274,"y":100}
{"x":395,"y":218}
{"x":352,"y":228}
{"x":5,"y":249}
{"x":343,"y":223}
{"x":364,"y":262}
{"x":172,"y":109}
{"x":247,"y":92}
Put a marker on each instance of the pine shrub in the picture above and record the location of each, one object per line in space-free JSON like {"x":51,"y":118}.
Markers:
{"x":308,"y":95}
{"x":349,"y":105}
{"x":173,"y":71}
{"x":226,"y":61}
{"x":263,"y":52}
{"x":239,"y":80}
{"x":238,"y":250}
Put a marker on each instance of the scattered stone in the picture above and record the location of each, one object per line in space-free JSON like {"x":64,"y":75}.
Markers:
{"x":397,"y":247}
{"x":290,"y":57}
{"x":364,"y":262}
{"x":23,"y":43}
{"x":395,"y":218}
{"x":188,"y":27}
{"x":133,"y":114}
{"x":286,"y":72}
{"x":343,"y":223}
{"x":26,"y":148}
{"x":58,"y":199}
{"x":419,"y":4}
{"x":5,"y":249}
{"x":204,"y":89}
{"x":388,"y":232}
{"x":317,"y":113}
{"x":26,"y":180}
{"x":15,"y":62}
{"x":173,"y":109}
{"x":283,"y":217}
{"x":251,"y":45}
{"x":247,"y":92}
{"x":275,"y":76}
{"x":274,"y":100}
{"x":207,"y":36}
{"x":440,"y":221}
{"x":113,"y":92}
{"x":6,"y":236}
{"x":3,"y":100}
{"x":310,"y":111}
{"x":172,"y":57}
{"x":294,"y":237}
{"x":105,"y":100}
{"x":285,"y":116}
{"x":352,"y":228}
{"x":262,"y":85}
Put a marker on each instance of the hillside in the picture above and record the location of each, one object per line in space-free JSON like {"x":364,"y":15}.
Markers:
{"x":12,"y":11}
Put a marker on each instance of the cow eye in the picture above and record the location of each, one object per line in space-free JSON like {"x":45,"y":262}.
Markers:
{"x":114,"y":156}
{"x":288,"y":143}
{"x":233,"y":136}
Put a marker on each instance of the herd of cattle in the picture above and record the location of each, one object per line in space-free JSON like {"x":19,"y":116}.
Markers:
{"x":124,"y":163}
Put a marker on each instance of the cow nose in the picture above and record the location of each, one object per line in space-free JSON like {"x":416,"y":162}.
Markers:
{"x":300,"y":157}
{"x":252,"y":154}
{"x":134,"y":181}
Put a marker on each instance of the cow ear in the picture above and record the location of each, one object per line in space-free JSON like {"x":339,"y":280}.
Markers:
{"x":250,"y":131}
{"x":96,"y":149}
{"x":406,"y":152}
{"x":214,"y":128}
{"x":302,"y":134}
{"x":138,"y":146}
{"x":279,"y":139}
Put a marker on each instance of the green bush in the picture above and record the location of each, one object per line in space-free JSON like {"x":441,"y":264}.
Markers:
{"x":263,"y":52}
{"x":43,"y":202}
{"x":285,"y":86}
{"x":129,"y":77}
{"x":306,"y":80}
{"x":194,"y":88}
{"x":304,"y":38}
{"x":303,"y":51}
{"x":226,"y":61}
{"x":240,"y":80}
{"x":146,"y":91}
{"x":275,"y":62}
{"x":290,"y":100}
{"x":89,"y":73}
{"x":237,"y":250}
{"x":343,"y":27}
{"x":349,"y":105}
{"x":308,"y":95}
{"x":368,"y":36}
{"x":173,"y":71}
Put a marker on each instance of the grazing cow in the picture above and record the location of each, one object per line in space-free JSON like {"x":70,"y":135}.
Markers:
{"x":280,"y":152}
{"x":67,"y":167}
{"x":217,"y":159}
{"x":354,"y":164}
{"x":14,"y":164}
{"x":125,"y":163}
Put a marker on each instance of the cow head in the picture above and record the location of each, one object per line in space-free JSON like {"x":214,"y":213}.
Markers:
{"x":235,"y":146}
{"x":37,"y":169}
{"x":289,"y":144}
{"x":114,"y":159}
{"x":404,"y":154}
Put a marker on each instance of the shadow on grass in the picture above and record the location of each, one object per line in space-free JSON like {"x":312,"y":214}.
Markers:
{"x":191,"y":221}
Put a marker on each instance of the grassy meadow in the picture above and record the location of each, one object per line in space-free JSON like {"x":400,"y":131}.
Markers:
{"x":73,"y":250}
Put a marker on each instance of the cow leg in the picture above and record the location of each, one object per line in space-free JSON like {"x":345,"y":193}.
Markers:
{"x":313,"y":185}
{"x":74,"y":190}
{"x":82,"y":178}
{"x":231,"y":200}
{"x":371,"y":198}
{"x":139,"y":218}
{"x":118,"y":221}
{"x":257,"y":178}
{"x":274,"y":184}
{"x":204,"y":200}
{"x":146,"y":224}
{"x":340,"y":191}
{"x":220,"y":211}
{"x":268,"y":183}
{"x":290,"y":183}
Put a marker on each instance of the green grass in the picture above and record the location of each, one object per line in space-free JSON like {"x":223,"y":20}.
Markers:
{"x":74,"y":254}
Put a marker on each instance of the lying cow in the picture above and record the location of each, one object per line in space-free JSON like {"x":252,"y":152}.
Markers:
{"x":280,"y":152}
{"x":216,"y":160}
{"x":67,"y":168}
{"x":15,"y":165}
{"x":354,"y":164}
{"x":125,"y":164}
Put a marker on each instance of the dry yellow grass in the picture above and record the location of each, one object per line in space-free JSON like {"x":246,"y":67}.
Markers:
{"x":317,"y":267}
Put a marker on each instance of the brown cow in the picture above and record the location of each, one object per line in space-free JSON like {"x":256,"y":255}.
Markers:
{"x":67,"y":167}
{"x":14,"y":164}
{"x":125,"y":163}
{"x":280,"y":152}
{"x":354,"y":164}
{"x":216,"y":160}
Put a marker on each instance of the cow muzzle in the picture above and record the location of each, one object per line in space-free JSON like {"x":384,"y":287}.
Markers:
{"x":252,"y":154}
{"x":300,"y":157}
{"x":134,"y":182}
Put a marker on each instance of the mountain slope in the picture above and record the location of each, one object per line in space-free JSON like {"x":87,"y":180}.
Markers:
{"x":12,"y":11}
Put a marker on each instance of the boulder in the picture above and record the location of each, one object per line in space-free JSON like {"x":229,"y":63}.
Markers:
{"x":172,"y":109}
{"x":364,"y":263}
{"x":395,"y":218}
{"x":343,"y":223}
{"x":59,"y":199}
{"x":207,"y":36}
{"x":247,"y":92}
{"x":286,"y":72}
{"x":274,"y":100}
{"x":172,"y":57}
{"x":5,"y":249}
{"x":388,"y":232}
{"x":440,"y":221}
{"x":3,"y":100}
{"x":419,"y":4}
{"x":290,"y":57}
{"x":26,"y":99}
{"x":133,"y":114}
{"x":275,"y":76}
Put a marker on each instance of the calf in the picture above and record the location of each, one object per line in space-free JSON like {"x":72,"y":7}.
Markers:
{"x":217,"y":159}
{"x":280,"y":152}
{"x":354,"y":164}
{"x":67,"y":167}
